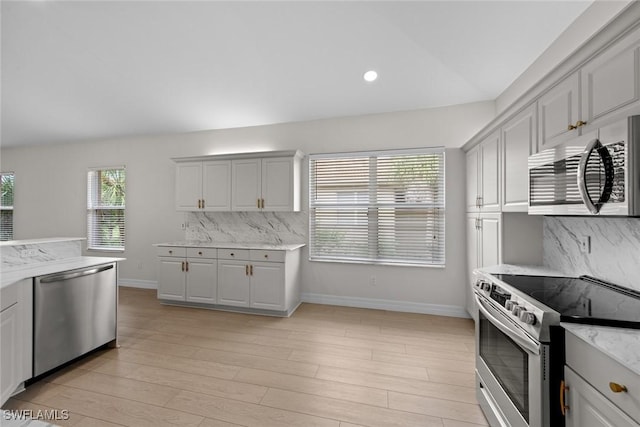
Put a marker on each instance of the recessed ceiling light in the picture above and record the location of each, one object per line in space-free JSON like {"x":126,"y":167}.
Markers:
{"x":370,"y":76}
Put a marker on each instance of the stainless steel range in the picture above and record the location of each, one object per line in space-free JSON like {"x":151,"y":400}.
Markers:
{"x":520,"y":345}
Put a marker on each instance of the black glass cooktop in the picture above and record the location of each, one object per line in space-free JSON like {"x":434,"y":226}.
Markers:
{"x":581,"y":300}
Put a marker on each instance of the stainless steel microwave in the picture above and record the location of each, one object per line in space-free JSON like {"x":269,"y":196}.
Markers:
{"x":597,"y":173}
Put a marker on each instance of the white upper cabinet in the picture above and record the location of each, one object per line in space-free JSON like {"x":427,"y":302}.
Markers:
{"x":244,"y":182}
{"x":188,"y":186}
{"x":518,"y":142}
{"x":611,"y":83}
{"x":203,"y":186}
{"x":558,"y":111}
{"x":483,"y":176}
{"x":246,"y":187}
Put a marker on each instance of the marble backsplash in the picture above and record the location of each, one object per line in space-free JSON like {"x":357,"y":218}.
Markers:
{"x":615,"y":248}
{"x":11,"y":255}
{"x":255,"y":227}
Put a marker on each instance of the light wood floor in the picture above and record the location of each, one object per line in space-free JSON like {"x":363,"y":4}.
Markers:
{"x":324,"y":366}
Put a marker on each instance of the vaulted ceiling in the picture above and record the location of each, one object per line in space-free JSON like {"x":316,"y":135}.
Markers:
{"x":74,"y":71}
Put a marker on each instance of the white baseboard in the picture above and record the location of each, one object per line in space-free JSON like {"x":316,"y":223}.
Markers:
{"x":380,"y":304}
{"x":136,"y":283}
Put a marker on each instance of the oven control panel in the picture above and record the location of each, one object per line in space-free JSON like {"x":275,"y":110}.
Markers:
{"x":521,"y":311}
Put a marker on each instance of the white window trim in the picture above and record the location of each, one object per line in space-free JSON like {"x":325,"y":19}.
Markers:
{"x":374,"y":226}
{"x":90,"y":246}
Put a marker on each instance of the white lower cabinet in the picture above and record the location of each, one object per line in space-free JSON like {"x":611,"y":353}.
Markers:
{"x":187,"y":274}
{"x":16,"y":332}
{"x":254,"y":279}
{"x":585,"y":406}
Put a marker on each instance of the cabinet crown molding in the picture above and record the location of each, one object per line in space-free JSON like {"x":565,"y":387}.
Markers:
{"x":236,"y":156}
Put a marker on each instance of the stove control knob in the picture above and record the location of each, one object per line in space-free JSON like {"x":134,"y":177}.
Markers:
{"x":485,"y":286}
{"x":516,"y":310}
{"x":527,"y":317}
{"x":510,"y":304}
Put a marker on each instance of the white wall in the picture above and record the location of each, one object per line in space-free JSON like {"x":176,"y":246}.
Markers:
{"x":582,"y":29}
{"x":50,"y":196}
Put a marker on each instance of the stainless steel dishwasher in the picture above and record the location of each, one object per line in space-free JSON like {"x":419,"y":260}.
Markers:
{"x":74,"y":313}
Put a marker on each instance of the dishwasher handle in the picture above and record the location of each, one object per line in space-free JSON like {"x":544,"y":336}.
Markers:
{"x":74,"y":274}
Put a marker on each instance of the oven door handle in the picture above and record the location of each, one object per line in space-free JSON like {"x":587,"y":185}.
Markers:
{"x":520,"y":338}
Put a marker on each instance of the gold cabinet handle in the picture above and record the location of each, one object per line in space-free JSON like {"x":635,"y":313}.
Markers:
{"x":563,"y":389}
{"x":202,"y":203}
{"x":199,"y":252}
{"x":258,"y":200}
{"x":572,"y":127}
{"x":246,"y":270}
{"x":617,"y":388}
{"x":170,"y":252}
{"x":186,"y":266}
{"x":251,"y":270}
{"x":182,"y":266}
{"x":231,"y":254}
{"x":580,"y":123}
{"x":262,"y":203}
{"x":266,"y":255}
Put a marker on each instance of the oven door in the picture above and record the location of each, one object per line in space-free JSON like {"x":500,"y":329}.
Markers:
{"x":513,"y":386}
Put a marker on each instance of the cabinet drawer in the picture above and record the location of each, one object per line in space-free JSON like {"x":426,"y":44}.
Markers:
{"x":233,"y":254}
{"x":172,"y":251}
{"x":202,"y":253}
{"x":262,"y":255}
{"x":599,"y":370}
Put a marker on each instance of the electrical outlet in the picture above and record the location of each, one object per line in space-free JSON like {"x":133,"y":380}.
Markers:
{"x":585,"y":244}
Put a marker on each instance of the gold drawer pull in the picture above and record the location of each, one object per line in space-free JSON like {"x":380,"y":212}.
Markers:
{"x":617,"y":388}
{"x":231,"y":254}
{"x":563,"y":389}
{"x":266,"y":255}
{"x":572,"y":127}
{"x":580,"y":123}
{"x":246,"y":270}
{"x":200,"y":253}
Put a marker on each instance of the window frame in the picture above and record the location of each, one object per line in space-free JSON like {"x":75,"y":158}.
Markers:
{"x":9,"y":208}
{"x":92,"y":210}
{"x":374,"y":207}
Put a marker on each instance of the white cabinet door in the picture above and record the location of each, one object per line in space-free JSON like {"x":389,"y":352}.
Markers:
{"x":234,"y":284}
{"x":202,"y":280}
{"x":245,"y":184}
{"x":188,"y":186}
{"x":490,"y":171}
{"x":589,"y":408}
{"x":277,"y":184}
{"x":557,"y":111}
{"x":518,"y":141}
{"x":611,"y":83}
{"x":171,"y":279}
{"x":472,"y":261}
{"x":490,"y":240}
{"x":216,"y":185}
{"x":267,"y":285}
{"x":473,"y":179}
{"x":9,"y":352}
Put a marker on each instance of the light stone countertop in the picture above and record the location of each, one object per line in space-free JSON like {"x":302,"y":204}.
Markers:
{"x":12,"y":275}
{"x":40,"y":241}
{"x":620,"y":344}
{"x":527,"y":270}
{"x":234,"y":245}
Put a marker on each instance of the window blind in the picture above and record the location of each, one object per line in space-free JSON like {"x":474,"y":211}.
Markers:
{"x":106,"y":192}
{"x":6,"y":206}
{"x":378,"y":207}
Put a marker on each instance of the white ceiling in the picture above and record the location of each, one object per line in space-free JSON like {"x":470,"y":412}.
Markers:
{"x":76,"y":71}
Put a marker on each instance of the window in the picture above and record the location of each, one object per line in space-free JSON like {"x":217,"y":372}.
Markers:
{"x":378,"y":207}
{"x":105,"y":208}
{"x":6,"y":207}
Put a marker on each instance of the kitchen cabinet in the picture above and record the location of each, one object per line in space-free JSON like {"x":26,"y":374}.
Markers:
{"x":559,"y":113}
{"x":203,"y":185}
{"x":483,"y":176}
{"x":187,"y":274}
{"x":250,"y":280}
{"x":604,"y":396}
{"x":267,"y":184}
{"x":483,"y":248}
{"x":16,"y":332}
{"x":519,"y":137}
{"x":610,"y":83}
{"x":605,"y":89}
